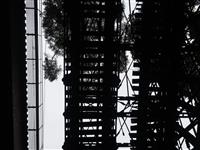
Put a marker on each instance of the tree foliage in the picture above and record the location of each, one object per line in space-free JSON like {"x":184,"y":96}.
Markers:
{"x":53,"y":19}
{"x":51,"y":68}
{"x":54,"y":34}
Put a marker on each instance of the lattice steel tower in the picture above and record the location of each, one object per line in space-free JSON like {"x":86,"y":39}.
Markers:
{"x":90,"y":74}
{"x":161,"y":107}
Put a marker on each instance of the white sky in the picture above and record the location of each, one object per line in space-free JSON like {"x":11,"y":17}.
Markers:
{"x":54,"y":108}
{"x":53,"y":119}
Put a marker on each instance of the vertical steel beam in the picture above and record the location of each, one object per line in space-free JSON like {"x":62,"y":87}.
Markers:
{"x":18,"y":74}
{"x":36,"y":73}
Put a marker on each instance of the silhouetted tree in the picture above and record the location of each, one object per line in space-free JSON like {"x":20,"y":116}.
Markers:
{"x":51,"y":68}
{"x":191,"y":56}
{"x":53,"y":18}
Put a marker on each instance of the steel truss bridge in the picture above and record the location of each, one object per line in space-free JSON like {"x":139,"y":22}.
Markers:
{"x":159,"y":105}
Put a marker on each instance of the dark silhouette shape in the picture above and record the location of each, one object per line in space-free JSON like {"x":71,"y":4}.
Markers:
{"x":166,"y":49}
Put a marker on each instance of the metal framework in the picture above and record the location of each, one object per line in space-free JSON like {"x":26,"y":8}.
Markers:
{"x":160,"y":106}
{"x":34,"y":79}
{"x":90,"y":75}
